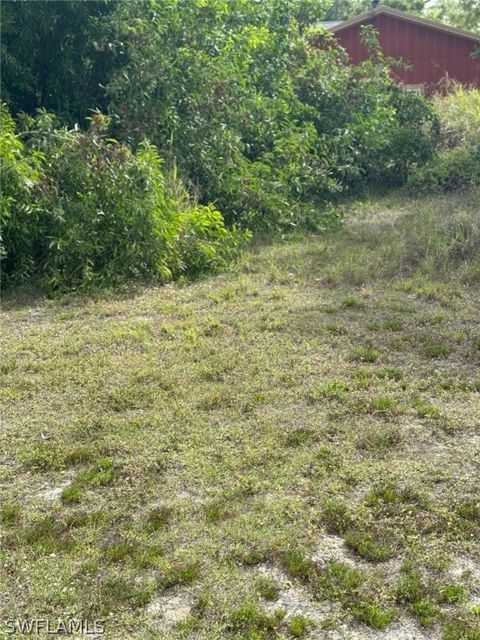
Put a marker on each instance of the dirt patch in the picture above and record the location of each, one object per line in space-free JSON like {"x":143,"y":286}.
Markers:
{"x":465,"y":568}
{"x":52,"y":492}
{"x":169,"y":610}
{"x":294,"y":599}
{"x":405,"y":629}
{"x":333,"y":549}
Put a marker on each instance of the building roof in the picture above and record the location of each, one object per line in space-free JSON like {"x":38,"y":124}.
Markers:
{"x":407,"y":17}
{"x":329,"y":24}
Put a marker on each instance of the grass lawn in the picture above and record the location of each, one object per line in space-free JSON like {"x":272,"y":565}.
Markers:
{"x":289,"y":450}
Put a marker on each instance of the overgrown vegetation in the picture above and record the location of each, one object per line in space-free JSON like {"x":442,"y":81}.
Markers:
{"x":456,"y":164}
{"x":225,"y":451}
{"x":80,"y":209}
{"x":253,"y":107}
{"x":283,"y":451}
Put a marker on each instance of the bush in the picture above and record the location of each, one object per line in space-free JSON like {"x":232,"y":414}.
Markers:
{"x":451,"y":170}
{"x":20,"y":173}
{"x":93,"y":212}
{"x":260,"y":110}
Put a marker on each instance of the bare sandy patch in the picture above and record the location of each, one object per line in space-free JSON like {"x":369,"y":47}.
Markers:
{"x":169,"y":610}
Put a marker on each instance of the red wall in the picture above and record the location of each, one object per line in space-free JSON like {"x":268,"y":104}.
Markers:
{"x":431,"y":53}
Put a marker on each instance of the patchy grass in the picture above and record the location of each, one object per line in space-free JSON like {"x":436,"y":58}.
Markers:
{"x":171,"y":441}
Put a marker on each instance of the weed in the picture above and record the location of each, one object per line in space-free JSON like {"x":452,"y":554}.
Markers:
{"x":298,"y":566}
{"x":79,"y":519}
{"x":426,"y":410}
{"x":389,"y":325}
{"x":330,"y":309}
{"x":373,"y":614}
{"x":383,"y":404}
{"x":392,"y":325}
{"x":368,"y":546}
{"x":215,"y":512}
{"x":432,"y":349}
{"x":120,"y":589}
{"x":390,"y":373}
{"x":127,"y":398}
{"x":267,"y":588}
{"x":329,"y":624}
{"x":352,"y":303}
{"x":149,"y":557}
{"x":434,"y":319}
{"x":364,"y":379}
{"x":365,"y":354}
{"x":298,"y":437}
{"x":158,"y":518}
{"x":334,"y":389}
{"x":79,"y":455}
{"x":9,"y":513}
{"x":410,"y":587}
{"x":336,"y":516}
{"x":298,"y":626}
{"x":249,"y":557}
{"x":380,"y":439}
{"x":461,"y":630}
{"x":249,"y":618}
{"x":425,"y":611}
{"x":47,"y":536}
{"x":328,"y":458}
{"x":388,"y":494}
{"x":178,"y":574}
{"x":168,"y":330}
{"x":43,"y":457}
{"x":72,"y":494}
{"x":340,"y":581}
{"x":119,"y":552}
{"x":469,"y":511}
{"x":219,"y":398}
{"x":104,"y":473}
{"x":452,"y":593}
{"x":336,"y":329}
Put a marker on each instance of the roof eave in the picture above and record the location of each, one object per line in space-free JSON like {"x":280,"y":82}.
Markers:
{"x":408,"y":17}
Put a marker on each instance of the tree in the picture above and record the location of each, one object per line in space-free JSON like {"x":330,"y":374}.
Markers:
{"x":54,"y":56}
{"x":464,"y":14}
{"x":344,"y":9}
{"x":253,"y":116}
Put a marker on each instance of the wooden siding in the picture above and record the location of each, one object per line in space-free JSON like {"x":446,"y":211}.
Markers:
{"x":432,"y":54}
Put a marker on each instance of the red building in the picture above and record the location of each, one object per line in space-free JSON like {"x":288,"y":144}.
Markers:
{"x":431,"y":49}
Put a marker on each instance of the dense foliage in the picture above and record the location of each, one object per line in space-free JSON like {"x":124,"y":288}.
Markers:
{"x":55,"y":55}
{"x":344,"y":9}
{"x":263,"y":116}
{"x":78,"y":208}
{"x":457,"y":161}
{"x":251,"y":104}
{"x":463,"y":14}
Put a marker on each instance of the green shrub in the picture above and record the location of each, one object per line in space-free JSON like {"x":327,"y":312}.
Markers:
{"x":96,"y":213}
{"x":19,"y":172}
{"x":451,"y":170}
{"x":260,"y":109}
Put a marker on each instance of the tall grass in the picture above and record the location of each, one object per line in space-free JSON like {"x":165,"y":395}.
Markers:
{"x":459,"y":116}
{"x":457,"y":164}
